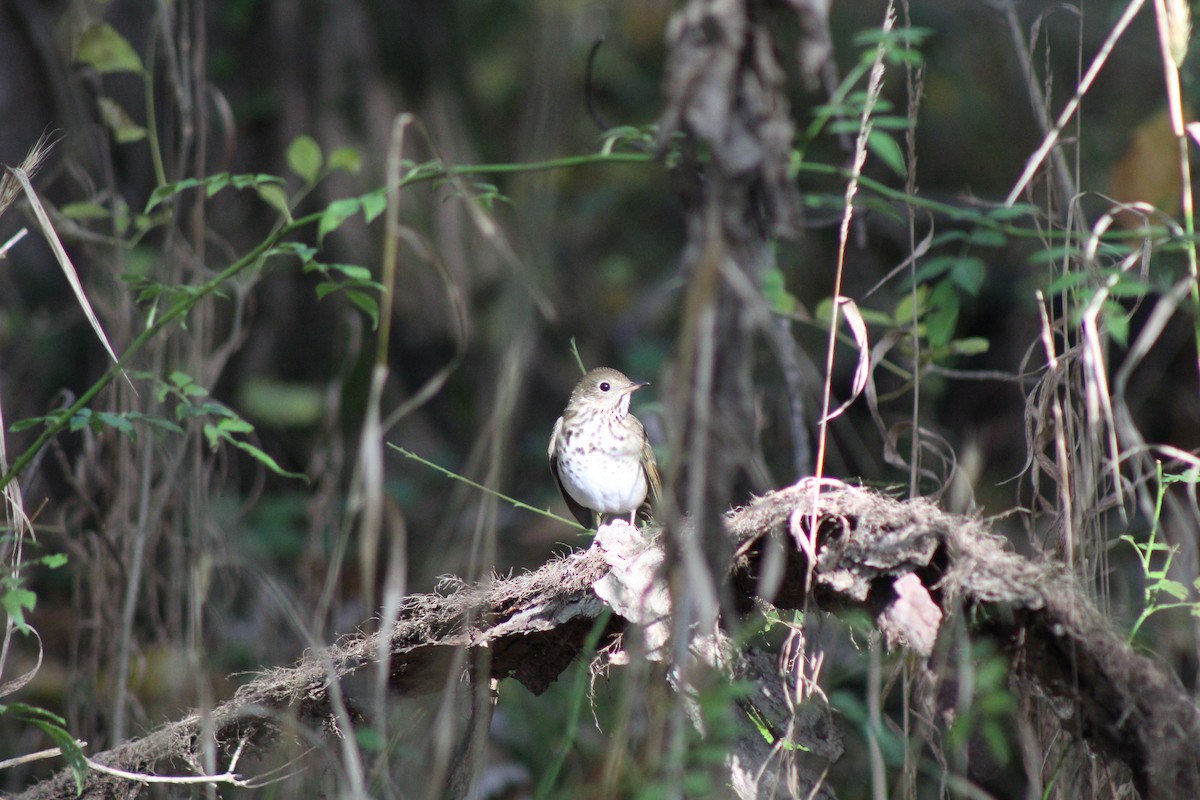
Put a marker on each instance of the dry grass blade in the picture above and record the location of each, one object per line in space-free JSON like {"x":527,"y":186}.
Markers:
{"x":22,"y":177}
{"x":10,"y":186}
{"x":367,"y":494}
{"x":858,"y":326}
{"x":874,"y":85}
{"x":12,"y":242}
{"x":10,"y":687}
{"x":1059,"y":469}
{"x":17,"y":521}
{"x":1035,"y":161}
{"x":1174,"y":32}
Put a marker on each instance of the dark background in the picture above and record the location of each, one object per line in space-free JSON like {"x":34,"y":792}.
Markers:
{"x":243,"y":568}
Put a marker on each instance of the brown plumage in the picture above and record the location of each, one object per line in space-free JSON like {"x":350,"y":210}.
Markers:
{"x":599,"y":453}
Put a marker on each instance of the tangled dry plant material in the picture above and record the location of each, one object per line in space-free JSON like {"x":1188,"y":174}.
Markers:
{"x":907,"y":563}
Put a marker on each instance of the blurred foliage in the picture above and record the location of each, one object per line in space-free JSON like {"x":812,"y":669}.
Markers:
{"x":238,"y":185}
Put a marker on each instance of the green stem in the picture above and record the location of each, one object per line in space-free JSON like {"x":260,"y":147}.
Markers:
{"x":565,"y":162}
{"x":179,"y":310}
{"x":426,"y":172}
{"x":511,"y":500}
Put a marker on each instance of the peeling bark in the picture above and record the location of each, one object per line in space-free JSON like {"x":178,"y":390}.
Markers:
{"x":868,"y":551}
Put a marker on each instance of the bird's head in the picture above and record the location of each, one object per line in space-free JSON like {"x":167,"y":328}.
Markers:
{"x":604,"y":388}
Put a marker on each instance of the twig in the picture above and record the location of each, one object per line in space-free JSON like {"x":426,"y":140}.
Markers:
{"x":182,"y":780}
{"x":511,"y":500}
{"x":52,"y":752}
{"x":16,"y":237}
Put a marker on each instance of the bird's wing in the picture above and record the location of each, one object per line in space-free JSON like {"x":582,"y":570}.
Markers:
{"x":554,"y":442}
{"x":651,"y":467}
{"x":585,"y":515}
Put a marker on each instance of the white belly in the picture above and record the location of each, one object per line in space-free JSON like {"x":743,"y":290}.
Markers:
{"x":605,"y":484}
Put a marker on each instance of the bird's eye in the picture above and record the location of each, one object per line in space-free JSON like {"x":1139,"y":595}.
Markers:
{"x":604,"y":387}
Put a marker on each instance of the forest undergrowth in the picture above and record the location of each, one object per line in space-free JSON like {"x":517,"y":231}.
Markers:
{"x":238,"y":316}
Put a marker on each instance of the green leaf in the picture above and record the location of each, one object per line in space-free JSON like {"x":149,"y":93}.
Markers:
{"x":1012,"y":212}
{"x":26,"y":424}
{"x":85,"y":210}
{"x":213,"y":435}
{"x":118,"y":422}
{"x":267,"y":461}
{"x":304,"y":158}
{"x":893,"y":37}
{"x":281,"y":404}
{"x":346,"y":159}
{"x":1116,"y":322}
{"x":987,"y":237}
{"x":1055,"y":255}
{"x":301,"y":251}
{"x":71,"y":751}
{"x":353,"y":272}
{"x":124,"y":129}
{"x":373,"y":205}
{"x":775,"y":291}
{"x":80,"y":421}
{"x":235,"y":424}
{"x":366,"y":303}
{"x":969,"y":273}
{"x":873,"y":317}
{"x":942,"y":316}
{"x":1191,"y":475}
{"x":105,"y":50}
{"x":215,"y":183}
{"x":760,"y":723}
{"x":168,"y":190}
{"x":16,"y":602}
{"x":885,"y":148}
{"x":53,"y":560}
{"x":1129,"y":287}
{"x":337,"y":212}
{"x":250,"y":180}
{"x":947,"y":236}
{"x":858,"y":99}
{"x":934,"y":267}
{"x":273,"y":195}
{"x":215,"y":410}
{"x":851,"y":126}
{"x":904,"y":313}
{"x":970,"y":346}
{"x":1173,"y":588}
{"x":185,"y":384}
{"x":28,"y":713}
{"x":161,"y":424}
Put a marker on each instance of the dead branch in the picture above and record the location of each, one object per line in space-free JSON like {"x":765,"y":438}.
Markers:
{"x":908,"y":563}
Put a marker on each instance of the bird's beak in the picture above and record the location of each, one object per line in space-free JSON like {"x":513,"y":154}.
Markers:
{"x":633,"y":387}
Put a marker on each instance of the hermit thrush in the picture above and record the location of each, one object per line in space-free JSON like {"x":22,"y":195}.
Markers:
{"x":599,"y":453}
